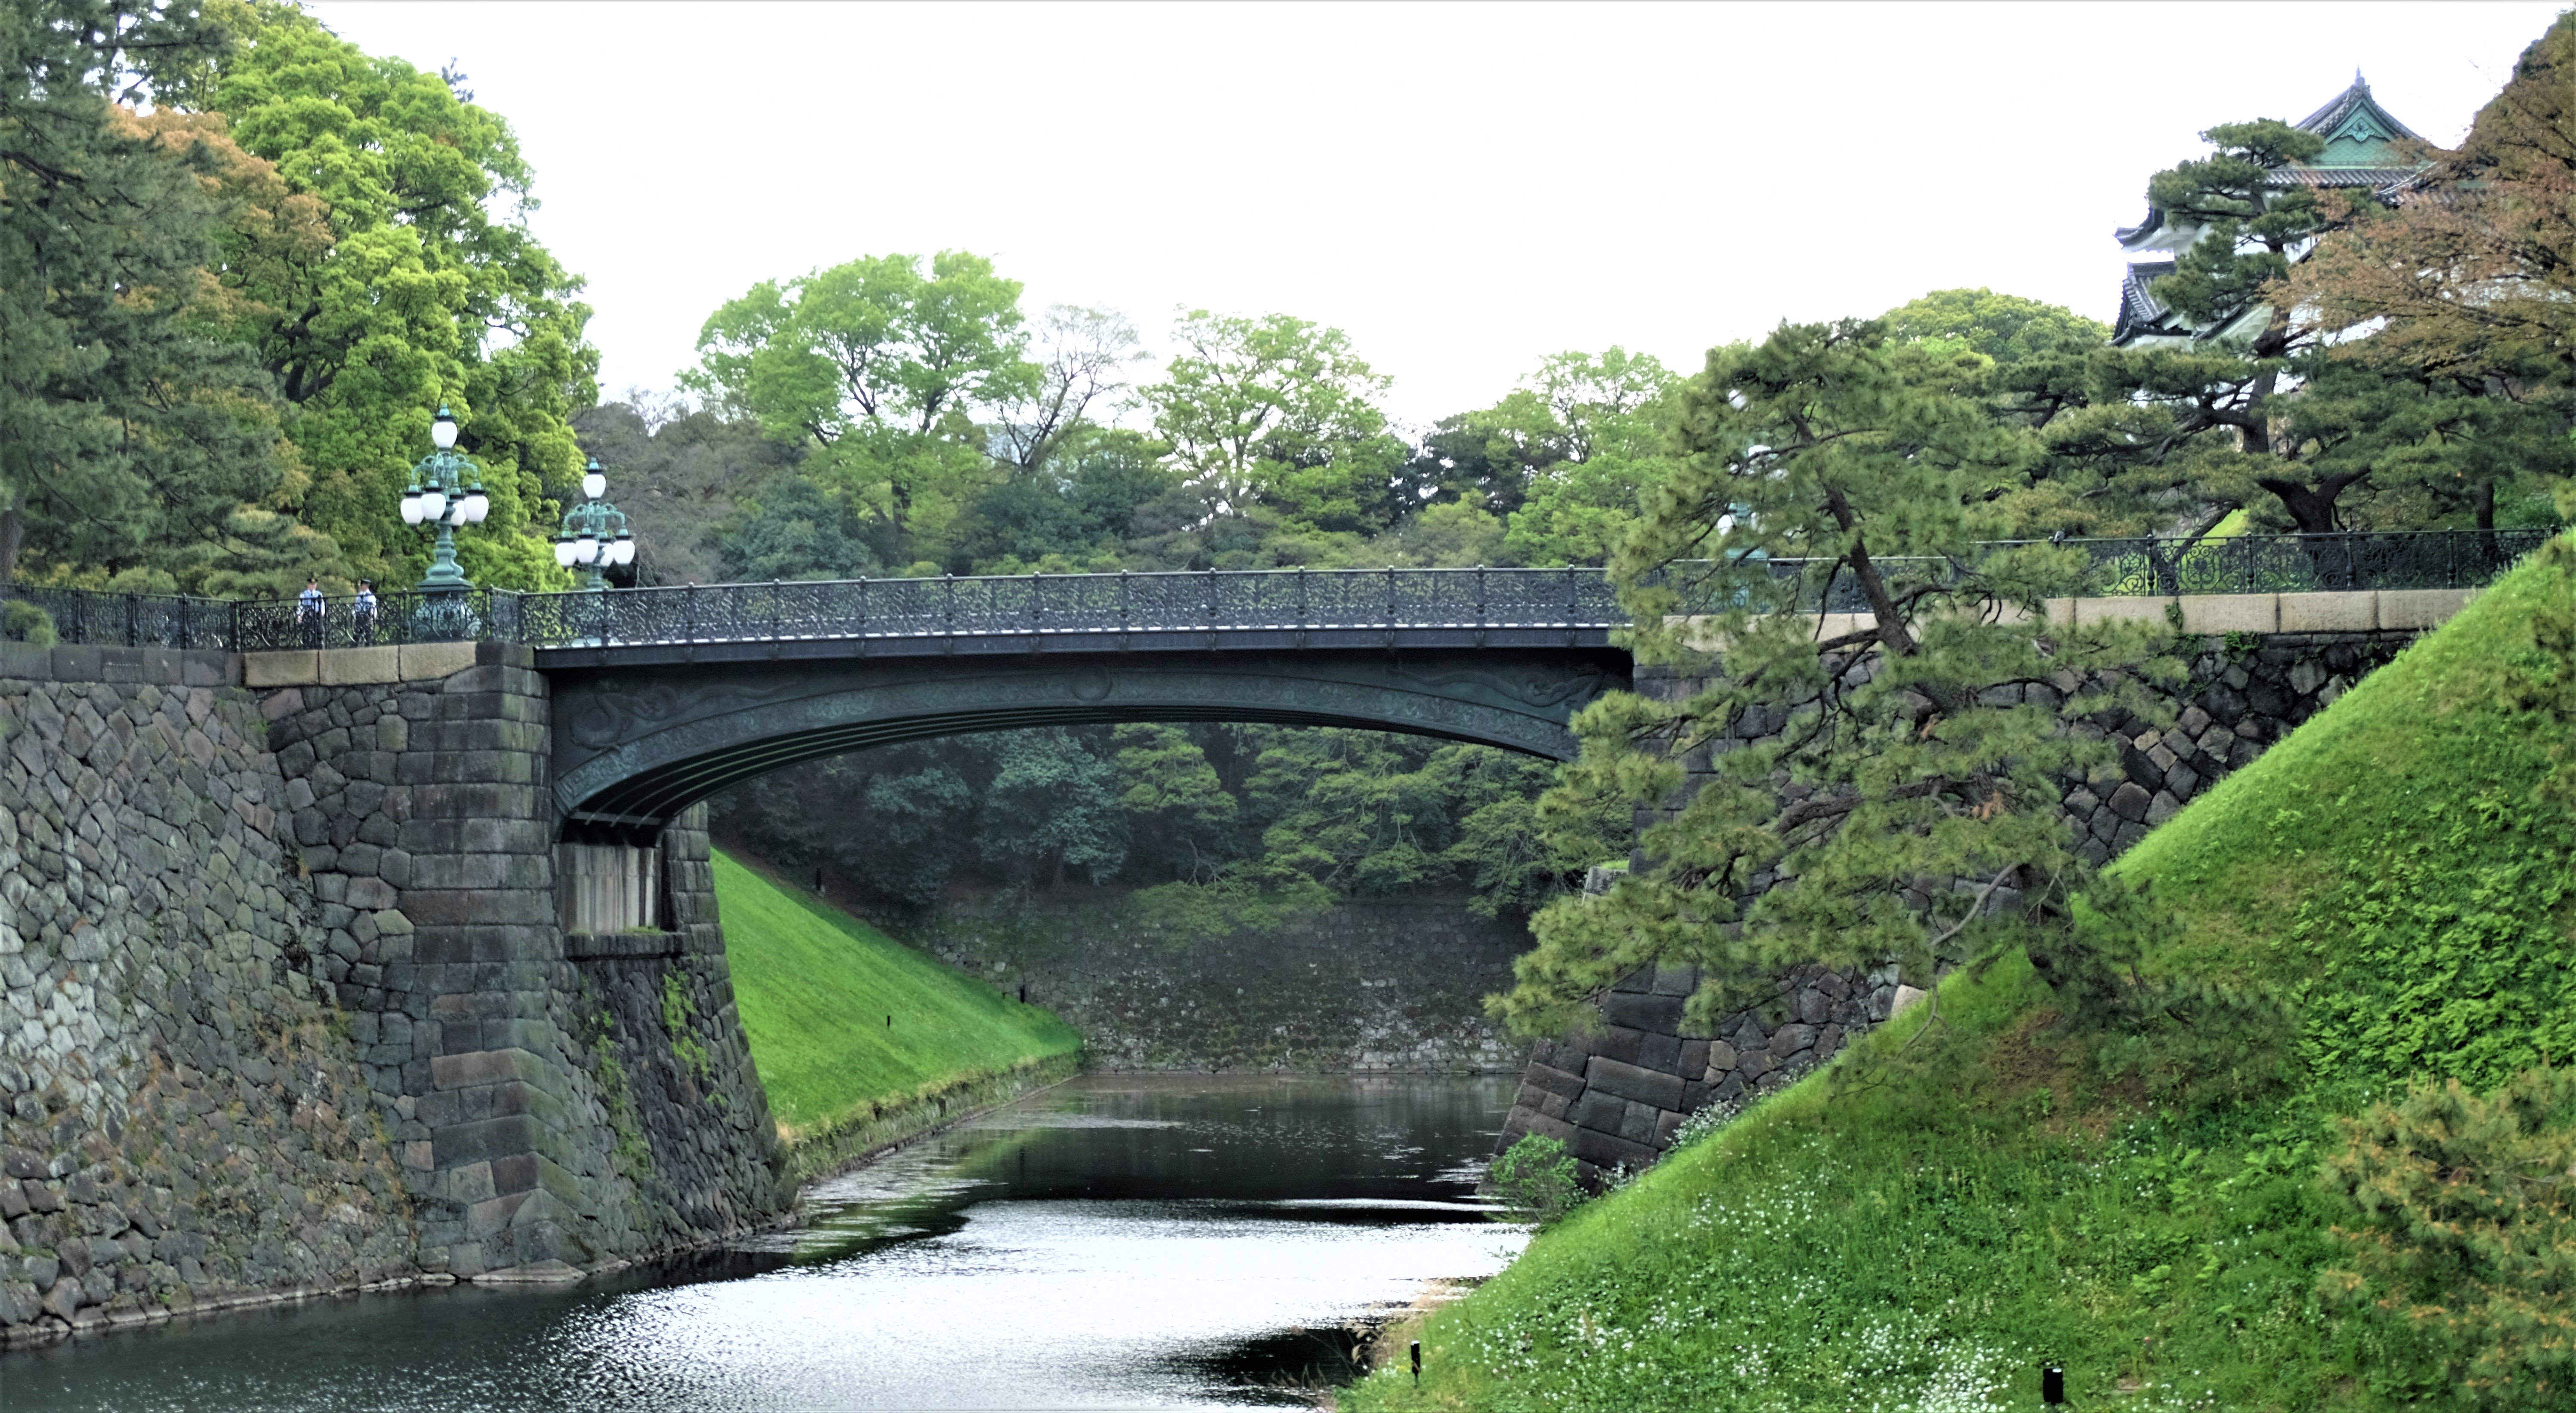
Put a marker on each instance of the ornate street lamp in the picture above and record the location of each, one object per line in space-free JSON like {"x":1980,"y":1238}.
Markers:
{"x":594,"y":534}
{"x":445,"y":491}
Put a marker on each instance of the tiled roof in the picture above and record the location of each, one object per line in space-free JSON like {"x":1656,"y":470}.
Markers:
{"x":2140,"y":310}
{"x":2130,"y":235}
{"x":2331,"y":116}
{"x":2336,"y":176}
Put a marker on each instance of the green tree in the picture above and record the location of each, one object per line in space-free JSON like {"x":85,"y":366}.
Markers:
{"x":1177,"y":808}
{"x":1075,"y":510}
{"x":2006,"y":328}
{"x":2262,"y":410}
{"x":795,"y":530}
{"x":1589,"y":431}
{"x":2469,"y":286}
{"x":1280,"y":414}
{"x":431,"y":290}
{"x":881,"y":365}
{"x":1914,"y":775}
{"x":681,"y":476}
{"x":1052,"y":806}
{"x":135,"y":428}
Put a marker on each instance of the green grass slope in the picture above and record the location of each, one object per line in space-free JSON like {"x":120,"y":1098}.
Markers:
{"x":814,"y":987}
{"x":1920,"y":1228}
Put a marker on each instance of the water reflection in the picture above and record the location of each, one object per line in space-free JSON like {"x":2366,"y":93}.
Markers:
{"x":1118,"y":1242}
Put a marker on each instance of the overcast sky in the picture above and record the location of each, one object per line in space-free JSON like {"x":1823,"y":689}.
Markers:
{"x":1465,"y":188}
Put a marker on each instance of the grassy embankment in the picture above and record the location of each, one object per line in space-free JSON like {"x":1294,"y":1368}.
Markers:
{"x":1921,"y":1230}
{"x":815,"y":987}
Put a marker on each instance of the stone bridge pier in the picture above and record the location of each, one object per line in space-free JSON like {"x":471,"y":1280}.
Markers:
{"x":560,"y":1100}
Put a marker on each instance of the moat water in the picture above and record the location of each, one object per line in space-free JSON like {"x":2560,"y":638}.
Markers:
{"x":1116,"y":1242}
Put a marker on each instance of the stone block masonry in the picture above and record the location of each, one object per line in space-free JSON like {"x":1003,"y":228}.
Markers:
{"x":561,"y":1106}
{"x":1384,"y":986}
{"x":188,"y":1113}
{"x":1614,"y":1094}
{"x":286,"y":1009}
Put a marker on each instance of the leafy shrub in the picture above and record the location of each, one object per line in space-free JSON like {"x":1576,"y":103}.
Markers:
{"x":25,"y":623}
{"x":1535,"y":1179}
{"x":2463,"y":1239}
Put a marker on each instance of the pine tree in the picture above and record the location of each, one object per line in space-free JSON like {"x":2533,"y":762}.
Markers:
{"x":1886,"y":785}
{"x":134,"y":425}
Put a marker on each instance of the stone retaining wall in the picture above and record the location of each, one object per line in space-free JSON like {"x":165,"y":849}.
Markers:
{"x":1615,"y":1094}
{"x":286,"y":1008}
{"x":561,"y":1106}
{"x":188,"y":1112}
{"x":1391,"y":986}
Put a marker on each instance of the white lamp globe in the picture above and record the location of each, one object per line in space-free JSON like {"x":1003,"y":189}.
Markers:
{"x":477,"y":505}
{"x":411,"y":508}
{"x":586,"y":550}
{"x":442,"y":432}
{"x":433,"y":503}
{"x":625,"y":548}
{"x":563,"y":553}
{"x":594,"y":485}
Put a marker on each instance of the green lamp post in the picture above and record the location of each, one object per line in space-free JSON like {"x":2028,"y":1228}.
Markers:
{"x":446,"y":491}
{"x":594,"y":534}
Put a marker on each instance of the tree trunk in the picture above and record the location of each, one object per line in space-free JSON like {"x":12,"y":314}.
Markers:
{"x":1882,"y":605}
{"x":13,"y":532}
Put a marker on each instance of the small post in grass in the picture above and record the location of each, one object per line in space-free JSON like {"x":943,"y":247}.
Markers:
{"x":1417,"y":1363}
{"x":2052,"y":1385}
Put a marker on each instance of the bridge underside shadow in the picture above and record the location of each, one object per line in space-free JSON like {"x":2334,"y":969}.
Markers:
{"x":633,"y":748}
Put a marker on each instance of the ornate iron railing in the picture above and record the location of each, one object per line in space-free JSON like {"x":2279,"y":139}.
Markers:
{"x":1060,"y":605}
{"x":1054,"y":605}
{"x":131,"y":620}
{"x":2292,"y":564}
{"x":403,"y":616}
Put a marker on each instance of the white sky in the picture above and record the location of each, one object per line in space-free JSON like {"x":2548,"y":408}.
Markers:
{"x":1465,"y":188}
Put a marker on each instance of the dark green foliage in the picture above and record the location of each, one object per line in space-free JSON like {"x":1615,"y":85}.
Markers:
{"x":1251,"y":817}
{"x":795,"y":530}
{"x":1052,"y":808}
{"x":680,"y":479}
{"x":2459,"y":1242}
{"x":133,"y":426}
{"x":1077,"y":511}
{"x":1911,"y":768}
{"x":1535,"y":1180}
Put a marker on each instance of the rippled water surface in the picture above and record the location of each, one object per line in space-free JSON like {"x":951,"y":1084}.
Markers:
{"x":1117,"y":1242}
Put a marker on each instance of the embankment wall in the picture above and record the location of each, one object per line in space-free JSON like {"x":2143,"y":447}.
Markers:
{"x":1391,"y":986}
{"x":288,"y":1010}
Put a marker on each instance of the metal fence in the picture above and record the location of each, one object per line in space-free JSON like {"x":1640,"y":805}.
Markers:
{"x":1043,"y":605}
{"x":2292,"y":564}
{"x":403,"y":616}
{"x":130,"y":620}
{"x":1049,"y":605}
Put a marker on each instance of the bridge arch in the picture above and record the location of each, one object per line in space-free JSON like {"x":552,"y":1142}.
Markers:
{"x":637,"y":742}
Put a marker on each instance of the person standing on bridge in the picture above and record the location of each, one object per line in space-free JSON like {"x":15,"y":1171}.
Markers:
{"x":308,"y":612}
{"x":362,"y":614}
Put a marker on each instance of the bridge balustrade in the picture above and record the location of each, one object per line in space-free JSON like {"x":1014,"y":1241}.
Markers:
{"x":1043,"y":606}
